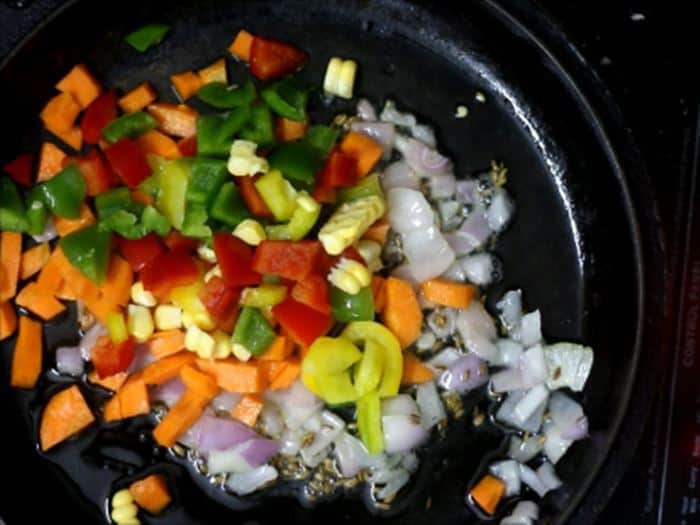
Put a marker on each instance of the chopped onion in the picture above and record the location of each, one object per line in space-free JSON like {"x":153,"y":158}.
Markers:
{"x":476,"y":227}
{"x":365,"y":110}
{"x":216,"y":433}
{"x":499,"y":211}
{"x":569,"y":365}
{"x":511,"y":311}
{"x":507,"y":380}
{"x":466,"y":191}
{"x":555,"y":446}
{"x":524,"y":513}
{"x":478,"y":331}
{"x":450,"y":214}
{"x":563,"y":409}
{"x":576,"y":429}
{"x":391,"y":114}
{"x":258,"y":451}
{"x":394,"y":485}
{"x":399,"y":175}
{"x":408,"y":210}
{"x":169,"y":393}
{"x":507,"y":411}
{"x":402,"y":433}
{"x":530,"y":329}
{"x":403,"y":272}
{"x":479,"y":268}
{"x":444,"y":359}
{"x":270,"y":420}
{"x":426,"y":340}
{"x":422,"y":158}
{"x":329,"y":428}
{"x":245,"y":483}
{"x":89,"y":339}
{"x":530,"y":403}
{"x":510,"y":351}
{"x":432,"y":411}
{"x":142,"y":357}
{"x":69,"y":360}
{"x":425,"y":134}
{"x":225,"y":401}
{"x":465,"y":374}
{"x":296,"y":403}
{"x":455,"y":273}
{"x":49,"y":232}
{"x":548,"y":476}
{"x":532,"y":480}
{"x":442,"y":322}
{"x":290,"y":442}
{"x":399,"y":405}
{"x":351,"y":454}
{"x":427,"y":252}
{"x":523,"y":450}
{"x":382,"y":132}
{"x":533,"y":367}
{"x":509,"y":473}
{"x":442,"y":186}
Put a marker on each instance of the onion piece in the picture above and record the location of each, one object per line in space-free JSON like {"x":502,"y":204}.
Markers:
{"x":225,"y":401}
{"x":69,"y":361}
{"x":382,"y":132}
{"x":442,"y":186}
{"x":548,"y":476}
{"x":442,"y":322}
{"x":465,"y":374}
{"x":394,"y":485}
{"x":399,"y":405}
{"x":270,"y":420}
{"x":478,"y":331}
{"x":89,"y":339}
{"x":427,"y":252}
{"x":511,"y":312}
{"x":533,"y":367}
{"x":530,"y":403}
{"x":49,"y":233}
{"x":530,"y":329}
{"x":351,"y":454}
{"x":507,"y":411}
{"x":507,"y":380}
{"x":443,"y":359}
{"x":509,"y":473}
{"x":455,"y":273}
{"x":168,"y":393}
{"x":476,"y":227}
{"x":500,"y":211}
{"x":365,"y":110}
{"x":399,"y":175}
{"x":575,"y":430}
{"x":422,"y":158}
{"x":296,"y":403}
{"x":466,"y":191}
{"x":329,"y":428}
{"x":425,"y":134}
{"x":216,"y":433}
{"x":290,"y":442}
{"x":569,"y":365}
{"x":402,"y":433}
{"x":532,"y":480}
{"x":479,"y":268}
{"x":523,"y":450}
{"x":391,"y":114}
{"x":451,"y":215}
{"x":408,"y":210}
{"x":245,"y":483}
{"x":432,"y":411}
{"x":524,"y":513}
{"x":244,"y":457}
{"x":510,"y":352}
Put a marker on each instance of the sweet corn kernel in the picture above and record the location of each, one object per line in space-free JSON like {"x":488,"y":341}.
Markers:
{"x":168,"y":317}
{"x":222,"y":345}
{"x":141,"y":296}
{"x":243,"y":161}
{"x":200,"y":342}
{"x":124,"y":513}
{"x":350,"y":276}
{"x":241,"y":352}
{"x":121,"y":498}
{"x":214,"y":272}
{"x":207,"y":254}
{"x":250,"y":232}
{"x":371,"y":252}
{"x":186,"y":297}
{"x":349,"y":222}
{"x":330,"y":81}
{"x":139,"y":322}
{"x":340,"y":77}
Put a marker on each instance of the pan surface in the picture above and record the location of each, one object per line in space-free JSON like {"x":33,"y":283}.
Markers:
{"x":574,"y":247}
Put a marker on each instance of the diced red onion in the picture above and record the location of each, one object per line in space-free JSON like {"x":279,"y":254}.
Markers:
{"x":258,"y":451}
{"x":425,"y":134}
{"x":49,"y":232}
{"x":244,"y":457}
{"x":382,"y":132}
{"x":216,"y":433}
{"x":351,"y":454}
{"x":69,"y":360}
{"x":532,"y":480}
{"x":329,"y":428}
{"x":499,"y":211}
{"x":524,"y":513}
{"x":365,"y":110}
{"x":533,"y":367}
{"x":399,"y":405}
{"x":169,"y":392}
{"x":455,"y":272}
{"x":89,"y":339}
{"x":507,"y":380}
{"x":245,"y":483}
{"x":142,"y":357}
{"x":427,"y":252}
{"x":523,"y":450}
{"x":563,"y":409}
{"x":296,"y":403}
{"x":270,"y":420}
{"x":478,"y":331}
{"x":510,"y":351}
{"x":402,"y":433}
{"x":530,"y":329}
{"x":528,"y":405}
{"x":422,"y":158}
{"x":391,"y":114}
{"x":511,"y":310}
{"x":399,"y":175}
{"x":442,"y":186}
{"x":444,"y":359}
{"x":394,"y":485}
{"x":575,"y":430}
{"x":466,"y":191}
{"x":465,"y":374}
{"x":432,"y":411}
{"x":479,"y":268}
{"x":408,"y":210}
{"x":555,"y":446}
{"x":507,"y":411}
{"x":403,"y":272}
{"x":569,"y":365}
{"x":548,"y":476}
{"x":225,"y":401}
{"x":451,"y":214}
{"x":509,"y":473}
{"x":290,"y":442}
{"x":475,"y":228}
{"x":442,"y":322}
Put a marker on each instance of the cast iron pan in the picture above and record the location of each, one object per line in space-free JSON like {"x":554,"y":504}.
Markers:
{"x":581,"y":246}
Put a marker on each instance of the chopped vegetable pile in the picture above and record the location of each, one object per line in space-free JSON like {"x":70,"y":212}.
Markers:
{"x":287,"y":300}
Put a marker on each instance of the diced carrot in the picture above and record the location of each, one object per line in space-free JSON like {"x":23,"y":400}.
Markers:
{"x":34,"y":260}
{"x":173,"y":119}
{"x":167,"y":368}
{"x":60,"y":112}
{"x":113,"y":382}
{"x":366,"y":150}
{"x":112,"y":410}
{"x":288,"y":130}
{"x":137,"y":99}
{"x":378,"y":232}
{"x":50,"y":161}
{"x":133,"y":398}
{"x":81,"y":84}
{"x":142,"y":197}
{"x":248,"y":409}
{"x":402,"y":313}
{"x":241,"y":45}
{"x":66,"y":414}
{"x":51,"y":276}
{"x":154,"y":142}
{"x":272,"y":369}
{"x":73,"y":137}
{"x":378,"y":292}
{"x":448,"y":293}
{"x":26,"y":360}
{"x":35,"y":299}
{"x":200,"y":382}
{"x":65,"y":226}
{"x":414,"y":371}
{"x":186,"y":84}
{"x":215,"y":72}
{"x":180,"y":417}
{"x":279,"y":350}
{"x":10,"y":261}
{"x":287,"y":375}
{"x":100,"y":307}
{"x":8,"y":320}
{"x":65,"y":293}
{"x":151,"y":493}
{"x":234,"y":376}
{"x":488,"y":493}
{"x":118,"y":281}
{"x":166,"y":343}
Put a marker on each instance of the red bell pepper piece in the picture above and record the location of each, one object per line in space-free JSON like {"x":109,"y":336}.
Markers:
{"x":176,"y":241}
{"x":139,"y":252}
{"x":272,"y":58}
{"x":228,"y":321}
{"x":303,"y":324}
{"x":252,"y":198}
{"x":188,"y":146}
{"x":340,"y":170}
{"x":324,"y":194}
{"x":95,"y":171}
{"x":128,"y":161}
{"x":110,"y":358}
{"x":288,"y":259}
{"x":98,"y":114}
{"x":20,"y":169}
{"x":313,"y":292}
{"x":168,"y":270}
{"x":235,"y":259}
{"x":218,"y":298}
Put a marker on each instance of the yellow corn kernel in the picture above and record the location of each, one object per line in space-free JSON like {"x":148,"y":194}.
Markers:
{"x":250,"y":232}
{"x":214,"y":272}
{"x":206,"y":254}
{"x":222,"y":345}
{"x":350,"y":276}
{"x":141,"y":296}
{"x":330,"y":81}
{"x":121,"y":498}
{"x":346,"y":79}
{"x":241,"y":352}
{"x":200,"y":342}
{"x":349,"y":222}
{"x":371,"y":252}
{"x":139,"y":322}
{"x":263,"y":296}
{"x":124,"y":513}
{"x":243,"y":161}
{"x":168,"y":317}
{"x":192,"y":308}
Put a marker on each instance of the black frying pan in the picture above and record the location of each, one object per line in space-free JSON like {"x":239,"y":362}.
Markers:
{"x":584,"y":247}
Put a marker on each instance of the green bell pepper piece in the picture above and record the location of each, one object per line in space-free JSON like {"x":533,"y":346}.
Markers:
{"x":279,"y":195}
{"x":298,"y":162}
{"x":304,"y":217}
{"x":151,"y":184}
{"x":368,"y":371}
{"x":147,"y":36}
{"x":367,"y":187}
{"x":264,"y":296}
{"x":347,"y":308}
{"x":253,"y":331}
{"x":208,"y":175}
{"x":37,"y":211}
{"x":215,"y":132}
{"x":130,"y":125}
{"x":88,"y":250}
{"x":124,"y":223}
{"x":322,"y":138}
{"x":287,"y":99}
{"x":369,"y":422}
{"x":13,"y":214}
{"x":260,"y":127}
{"x":173,"y":189}
{"x":229,"y":206}
{"x":154,"y":221}
{"x":195,"y":222}
{"x":115,"y":200}
{"x":221,"y":96}
{"x":65,"y":192}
